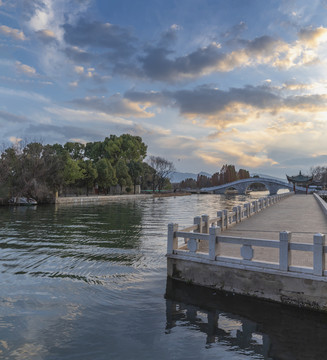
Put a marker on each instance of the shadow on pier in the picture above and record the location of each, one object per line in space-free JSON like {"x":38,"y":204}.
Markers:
{"x":250,"y":326}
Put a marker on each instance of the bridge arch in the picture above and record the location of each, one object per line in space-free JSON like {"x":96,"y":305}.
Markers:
{"x":241,"y":186}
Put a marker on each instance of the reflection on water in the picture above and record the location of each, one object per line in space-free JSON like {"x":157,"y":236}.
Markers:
{"x":88,"y":282}
{"x":251,"y":327}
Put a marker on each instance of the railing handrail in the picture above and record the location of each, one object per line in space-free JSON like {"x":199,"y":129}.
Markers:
{"x":238,"y":213}
{"x":202,"y":231}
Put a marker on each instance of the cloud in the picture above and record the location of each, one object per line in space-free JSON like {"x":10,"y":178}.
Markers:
{"x":13,"y":33}
{"x":30,"y":95}
{"x":150,"y":98}
{"x":158,"y":63}
{"x":46,"y":36}
{"x":84,"y":116}
{"x":25,"y":69}
{"x":79,"y":55}
{"x":235,"y":31}
{"x":12,"y":118}
{"x":169,"y":37}
{"x":114,"y":105}
{"x":79,"y":69}
{"x":64,"y":133}
{"x":100,"y":35}
{"x":313,"y":37}
{"x":220,"y":108}
{"x":15,"y":140}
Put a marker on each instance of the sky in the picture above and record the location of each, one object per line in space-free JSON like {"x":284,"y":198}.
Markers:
{"x":203,"y":82}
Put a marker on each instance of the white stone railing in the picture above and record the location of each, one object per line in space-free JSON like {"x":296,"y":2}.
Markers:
{"x":206,"y":233}
{"x":322,"y":203}
{"x":215,"y":239}
{"x":226,"y":219}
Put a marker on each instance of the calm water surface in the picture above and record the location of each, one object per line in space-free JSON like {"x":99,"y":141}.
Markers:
{"x":89,"y":282}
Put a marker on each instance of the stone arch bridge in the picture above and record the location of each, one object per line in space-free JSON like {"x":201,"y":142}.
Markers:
{"x":272,"y":185}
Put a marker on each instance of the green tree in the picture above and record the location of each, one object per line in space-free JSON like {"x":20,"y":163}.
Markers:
{"x":106,"y":174}
{"x":72,"y":172}
{"x":75,"y":149}
{"x":135,"y":170}
{"x":54,"y":168}
{"x":122,"y":174}
{"x":90,"y":174}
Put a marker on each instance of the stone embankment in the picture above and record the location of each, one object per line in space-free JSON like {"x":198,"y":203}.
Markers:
{"x":99,"y":199}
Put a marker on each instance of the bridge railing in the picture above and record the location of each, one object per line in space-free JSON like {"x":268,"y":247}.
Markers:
{"x":226,"y":219}
{"x":205,"y":240}
{"x":209,"y":247}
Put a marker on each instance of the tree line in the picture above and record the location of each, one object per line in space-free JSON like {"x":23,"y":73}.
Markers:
{"x":38,"y":171}
{"x":226,"y":175}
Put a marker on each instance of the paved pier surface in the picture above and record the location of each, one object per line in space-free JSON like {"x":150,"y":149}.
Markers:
{"x":299,"y":214}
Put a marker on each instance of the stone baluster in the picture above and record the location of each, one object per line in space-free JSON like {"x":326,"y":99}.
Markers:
{"x":284,"y":252}
{"x":198,"y":221}
{"x":221,"y":215}
{"x":239,"y":213}
{"x":318,"y":254}
{"x":248,"y":209}
{"x":205,"y":224}
{"x":226,"y":218}
{"x":172,"y":243}
{"x":214,"y":232}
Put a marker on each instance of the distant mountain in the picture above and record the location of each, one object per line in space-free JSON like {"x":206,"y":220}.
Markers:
{"x":177,"y":177}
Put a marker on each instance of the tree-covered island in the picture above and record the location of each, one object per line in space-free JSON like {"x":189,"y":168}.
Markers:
{"x":110,"y":166}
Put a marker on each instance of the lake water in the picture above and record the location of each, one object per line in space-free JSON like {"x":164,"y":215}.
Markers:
{"x":89,"y":282}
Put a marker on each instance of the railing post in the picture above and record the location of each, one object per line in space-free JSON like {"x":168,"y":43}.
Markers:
{"x":318,"y":254}
{"x":235,"y":214}
{"x":284,"y":252}
{"x":256,"y":206}
{"x":261,"y":202}
{"x":172,"y":243}
{"x":221,"y":214}
{"x":205,"y":224}
{"x":214,"y":231}
{"x":239,"y":213}
{"x":226,"y":218}
{"x":198,"y":221}
{"x":248,"y":209}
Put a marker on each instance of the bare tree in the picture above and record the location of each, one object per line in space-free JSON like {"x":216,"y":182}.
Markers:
{"x":162,"y":171}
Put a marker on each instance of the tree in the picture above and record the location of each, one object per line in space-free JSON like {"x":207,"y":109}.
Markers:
{"x":162,"y":171}
{"x":114,"y":148}
{"x":122,"y":174}
{"x":72,"y":172}
{"x":243,"y":174}
{"x":106,"y":174}
{"x":147,"y":176}
{"x":135,"y":170}
{"x":203,"y":181}
{"x":319,"y":174}
{"x":89,"y":174}
{"x":188,"y":183}
{"x":76,"y":150}
{"x":55,"y":167}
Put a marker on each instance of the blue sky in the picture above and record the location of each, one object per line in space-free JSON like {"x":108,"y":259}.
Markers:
{"x":203,"y":82}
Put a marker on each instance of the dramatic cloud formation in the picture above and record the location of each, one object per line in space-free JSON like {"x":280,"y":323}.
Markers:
{"x":203,"y":84}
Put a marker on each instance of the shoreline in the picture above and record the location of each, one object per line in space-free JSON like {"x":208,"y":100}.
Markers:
{"x":99,"y":198}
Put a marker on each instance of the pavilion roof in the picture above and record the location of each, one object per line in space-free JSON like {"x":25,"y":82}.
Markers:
{"x":299,"y":178}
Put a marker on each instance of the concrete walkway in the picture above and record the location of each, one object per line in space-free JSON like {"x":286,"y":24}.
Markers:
{"x":299,"y":214}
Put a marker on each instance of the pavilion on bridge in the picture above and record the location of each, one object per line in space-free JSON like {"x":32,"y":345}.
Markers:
{"x":300,"y":180}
